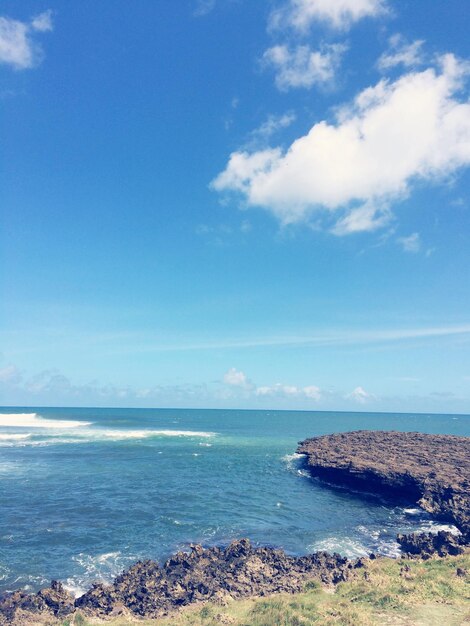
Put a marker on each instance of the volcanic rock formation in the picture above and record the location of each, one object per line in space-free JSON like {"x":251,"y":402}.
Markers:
{"x":150,"y":590}
{"x":432,"y":471}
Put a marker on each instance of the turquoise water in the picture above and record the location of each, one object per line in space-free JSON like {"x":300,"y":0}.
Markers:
{"x":86,"y":492}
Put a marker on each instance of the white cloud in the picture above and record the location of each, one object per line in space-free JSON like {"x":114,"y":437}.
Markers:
{"x":17,"y":48}
{"x":367,"y":217}
{"x":273,"y":124}
{"x":401,"y":53}
{"x":312,"y":392}
{"x":416,"y":127}
{"x":235,"y":378}
{"x":42,"y":22}
{"x":360,"y":395}
{"x":412,"y":243}
{"x":303,"y":67}
{"x":279,"y":390}
{"x":339,"y":14}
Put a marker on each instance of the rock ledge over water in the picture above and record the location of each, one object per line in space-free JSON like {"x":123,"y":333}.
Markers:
{"x":432,"y":471}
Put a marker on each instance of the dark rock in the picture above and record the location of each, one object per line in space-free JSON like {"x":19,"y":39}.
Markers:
{"x":429,"y":544}
{"x":57,"y":599}
{"x":53,"y":601}
{"x":431,"y":470}
{"x":148,"y":590}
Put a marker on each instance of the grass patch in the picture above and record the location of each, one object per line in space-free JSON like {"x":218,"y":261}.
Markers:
{"x":386,"y":592}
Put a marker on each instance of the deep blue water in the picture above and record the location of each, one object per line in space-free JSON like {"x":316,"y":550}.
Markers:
{"x":79,"y":502}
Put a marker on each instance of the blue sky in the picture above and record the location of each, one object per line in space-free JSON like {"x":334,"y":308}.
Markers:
{"x":236,"y":204}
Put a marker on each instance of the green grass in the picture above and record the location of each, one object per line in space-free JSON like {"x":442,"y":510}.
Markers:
{"x":429,"y":594}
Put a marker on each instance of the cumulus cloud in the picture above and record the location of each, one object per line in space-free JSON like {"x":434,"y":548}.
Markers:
{"x":338,"y":14}
{"x":302,"y":66}
{"x":351,"y":170}
{"x":412,"y":243}
{"x":236,"y":378}
{"x":360,"y":395}
{"x":401,"y":52}
{"x":17,"y":47}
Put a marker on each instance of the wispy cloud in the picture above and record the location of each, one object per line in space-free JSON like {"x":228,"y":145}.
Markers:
{"x":301,"y":66}
{"x":412,"y":243}
{"x":325,"y":338}
{"x":203,"y":7}
{"x":402,"y":53}
{"x":338,"y":14}
{"x":238,"y":380}
{"x":272,"y":125}
{"x":311,"y":392}
{"x":350,"y":172}
{"x":17,"y":45}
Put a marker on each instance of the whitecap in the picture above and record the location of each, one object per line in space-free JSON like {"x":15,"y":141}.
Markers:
{"x":413,"y":511}
{"x":346,"y":546}
{"x":142,"y":434}
{"x":294,"y":462}
{"x":32,"y":420}
{"x":90,"y":435}
{"x":434,"y":527}
{"x":101,"y":567}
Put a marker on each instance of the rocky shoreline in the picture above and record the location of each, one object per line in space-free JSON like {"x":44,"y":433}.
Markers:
{"x":149,"y":590}
{"x":431,"y":470}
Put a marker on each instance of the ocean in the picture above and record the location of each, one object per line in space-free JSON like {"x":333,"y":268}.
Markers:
{"x":85,"y":493}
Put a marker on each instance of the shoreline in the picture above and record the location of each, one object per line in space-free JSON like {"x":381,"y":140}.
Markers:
{"x":240,"y":570}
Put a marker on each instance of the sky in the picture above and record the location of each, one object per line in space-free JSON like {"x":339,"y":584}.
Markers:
{"x":234,"y":204}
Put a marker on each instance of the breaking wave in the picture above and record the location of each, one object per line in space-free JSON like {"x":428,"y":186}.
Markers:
{"x":101,"y":567}
{"x":294,"y":464}
{"x":32,"y":420}
{"x":69,"y":431}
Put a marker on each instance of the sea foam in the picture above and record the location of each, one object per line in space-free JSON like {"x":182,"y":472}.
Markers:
{"x":294,"y":463}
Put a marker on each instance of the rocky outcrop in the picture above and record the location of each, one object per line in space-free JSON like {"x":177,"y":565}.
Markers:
{"x":432,"y":471}
{"x":150,"y":590}
{"x":50,"y":603}
{"x":426,"y":545}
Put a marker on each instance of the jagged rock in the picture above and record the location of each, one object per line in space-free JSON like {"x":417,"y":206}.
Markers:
{"x":148,"y":590}
{"x":431,"y":470}
{"x":53,"y":601}
{"x":426,"y":545}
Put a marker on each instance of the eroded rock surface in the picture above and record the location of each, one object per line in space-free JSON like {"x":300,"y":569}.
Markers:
{"x":431,"y":470}
{"x":150,"y":590}
{"x":426,"y":545}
